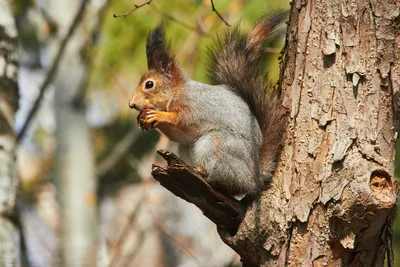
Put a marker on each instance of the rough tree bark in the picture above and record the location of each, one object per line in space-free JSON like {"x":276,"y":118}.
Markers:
{"x":9,"y":232}
{"x":332,"y":200}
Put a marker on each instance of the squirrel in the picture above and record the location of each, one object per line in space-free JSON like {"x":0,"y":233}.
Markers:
{"x":233,"y":127}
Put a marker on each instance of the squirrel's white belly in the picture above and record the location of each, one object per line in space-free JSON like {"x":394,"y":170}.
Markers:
{"x":176,"y":135}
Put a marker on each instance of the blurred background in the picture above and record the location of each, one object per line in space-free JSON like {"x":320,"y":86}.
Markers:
{"x":81,"y":141}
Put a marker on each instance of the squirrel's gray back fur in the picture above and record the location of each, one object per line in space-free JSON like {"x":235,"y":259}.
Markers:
{"x":234,"y":60}
{"x":230,"y":139}
{"x":231,"y":128}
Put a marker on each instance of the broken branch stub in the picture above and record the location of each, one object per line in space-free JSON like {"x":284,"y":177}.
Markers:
{"x":224,"y":210}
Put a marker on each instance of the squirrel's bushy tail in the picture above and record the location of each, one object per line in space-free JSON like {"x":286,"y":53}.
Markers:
{"x":235,"y":60}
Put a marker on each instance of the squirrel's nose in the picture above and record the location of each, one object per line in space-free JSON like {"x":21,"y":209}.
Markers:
{"x":131,"y":105}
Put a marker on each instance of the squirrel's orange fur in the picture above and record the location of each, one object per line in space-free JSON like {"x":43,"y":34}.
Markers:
{"x":231,"y":128}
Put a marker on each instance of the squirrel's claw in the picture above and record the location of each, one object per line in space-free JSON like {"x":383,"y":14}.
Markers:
{"x":200,"y":170}
{"x":151,"y":119}
{"x":146,"y":120}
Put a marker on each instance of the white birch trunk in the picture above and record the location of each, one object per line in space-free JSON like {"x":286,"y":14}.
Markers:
{"x":75,"y":168}
{"x":9,"y":232}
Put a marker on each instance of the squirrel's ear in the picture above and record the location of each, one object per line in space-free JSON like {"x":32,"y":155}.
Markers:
{"x":158,"y":52}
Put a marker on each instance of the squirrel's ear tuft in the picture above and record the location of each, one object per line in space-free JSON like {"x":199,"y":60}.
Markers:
{"x":158,"y":52}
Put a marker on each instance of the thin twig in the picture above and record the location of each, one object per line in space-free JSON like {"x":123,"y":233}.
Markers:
{"x":130,"y":11}
{"x":53,"y":70}
{"x":273,"y":50}
{"x":91,"y":42}
{"x":219,"y":15}
{"x":130,"y":258}
{"x":120,"y":150}
{"x":179,"y":22}
{"x":162,"y":229}
{"x":124,"y":233}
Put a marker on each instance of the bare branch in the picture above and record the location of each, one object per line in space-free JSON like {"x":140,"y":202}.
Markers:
{"x":132,"y":255}
{"x":166,"y":16}
{"x":272,"y":50}
{"x":219,"y":15}
{"x":164,"y":231}
{"x":198,"y":30}
{"x":124,"y":233}
{"x":92,"y":41}
{"x":120,"y":150}
{"x":130,"y":11}
{"x":53,"y":70}
{"x":224,"y":210}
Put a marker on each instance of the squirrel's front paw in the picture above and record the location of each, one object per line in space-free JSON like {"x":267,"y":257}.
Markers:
{"x":148,"y":119}
{"x":142,"y":120}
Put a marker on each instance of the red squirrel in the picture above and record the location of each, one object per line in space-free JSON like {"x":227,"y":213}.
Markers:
{"x":234,"y":126}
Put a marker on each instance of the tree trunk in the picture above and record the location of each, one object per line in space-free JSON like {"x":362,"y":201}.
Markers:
{"x":332,"y":199}
{"x":9,"y":232}
{"x":76,"y":179}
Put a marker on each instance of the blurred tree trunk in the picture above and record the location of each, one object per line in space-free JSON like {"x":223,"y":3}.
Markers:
{"x":332,"y":200}
{"x":9,"y":232}
{"x":75,"y":168}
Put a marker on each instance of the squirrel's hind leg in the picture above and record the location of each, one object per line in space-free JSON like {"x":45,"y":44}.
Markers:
{"x":228,"y":162}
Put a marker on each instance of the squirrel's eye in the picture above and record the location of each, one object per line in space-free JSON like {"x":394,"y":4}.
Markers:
{"x":149,"y":84}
